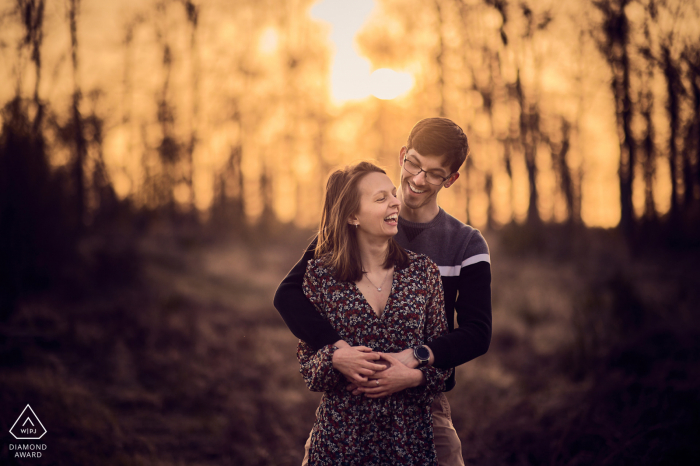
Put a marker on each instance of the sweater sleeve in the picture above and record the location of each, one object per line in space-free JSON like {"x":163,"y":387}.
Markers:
{"x":435,"y":327}
{"x":298,"y":312}
{"x":472,"y":337}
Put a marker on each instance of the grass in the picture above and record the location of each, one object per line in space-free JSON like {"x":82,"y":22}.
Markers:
{"x":593,"y":361}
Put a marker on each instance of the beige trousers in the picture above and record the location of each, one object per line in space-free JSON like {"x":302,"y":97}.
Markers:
{"x":447,"y":444}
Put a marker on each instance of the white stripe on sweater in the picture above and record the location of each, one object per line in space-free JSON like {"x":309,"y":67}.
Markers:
{"x":453,"y":271}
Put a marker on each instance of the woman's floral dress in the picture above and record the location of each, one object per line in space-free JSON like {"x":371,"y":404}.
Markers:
{"x":353,"y":429}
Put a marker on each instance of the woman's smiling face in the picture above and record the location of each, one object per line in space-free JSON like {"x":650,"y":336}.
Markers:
{"x":378,"y":215}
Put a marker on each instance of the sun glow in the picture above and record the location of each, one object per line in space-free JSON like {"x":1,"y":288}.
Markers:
{"x":388,"y":84}
{"x":269,"y":41}
{"x":351,"y":78}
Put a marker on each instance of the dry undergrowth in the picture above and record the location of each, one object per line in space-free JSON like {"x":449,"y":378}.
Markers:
{"x":192,"y":365}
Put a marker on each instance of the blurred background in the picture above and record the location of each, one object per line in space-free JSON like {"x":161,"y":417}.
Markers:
{"x":162,"y":165}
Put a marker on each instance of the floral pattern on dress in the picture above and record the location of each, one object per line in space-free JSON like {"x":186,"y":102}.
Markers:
{"x":354,"y":430}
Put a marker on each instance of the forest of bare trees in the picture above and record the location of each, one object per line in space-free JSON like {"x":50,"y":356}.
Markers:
{"x":233,"y":127}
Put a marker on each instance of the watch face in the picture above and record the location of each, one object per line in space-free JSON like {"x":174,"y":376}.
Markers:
{"x":422,"y":353}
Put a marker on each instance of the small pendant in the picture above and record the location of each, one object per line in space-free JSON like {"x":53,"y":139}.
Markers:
{"x":379,"y":289}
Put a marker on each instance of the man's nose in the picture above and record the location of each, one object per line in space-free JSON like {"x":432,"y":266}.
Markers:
{"x":419,"y":178}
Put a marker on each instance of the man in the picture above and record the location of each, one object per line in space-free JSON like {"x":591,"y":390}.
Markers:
{"x":435,"y":150}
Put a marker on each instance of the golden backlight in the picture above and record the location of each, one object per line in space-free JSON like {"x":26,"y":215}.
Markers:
{"x":256,"y":104}
{"x":388,"y":84}
{"x":351,"y":76}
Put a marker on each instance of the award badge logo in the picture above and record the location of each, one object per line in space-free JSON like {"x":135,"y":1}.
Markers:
{"x":28,"y":426}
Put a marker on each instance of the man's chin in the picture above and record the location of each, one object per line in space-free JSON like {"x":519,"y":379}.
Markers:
{"x":412,"y":205}
{"x":410,"y":195}
{"x":412,"y":199}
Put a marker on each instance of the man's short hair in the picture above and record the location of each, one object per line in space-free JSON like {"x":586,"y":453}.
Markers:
{"x":440,"y":137}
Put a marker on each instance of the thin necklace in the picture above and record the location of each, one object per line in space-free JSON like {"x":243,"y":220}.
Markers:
{"x":379,"y":288}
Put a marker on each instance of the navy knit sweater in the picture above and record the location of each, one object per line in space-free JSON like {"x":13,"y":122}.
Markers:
{"x":462,"y":256}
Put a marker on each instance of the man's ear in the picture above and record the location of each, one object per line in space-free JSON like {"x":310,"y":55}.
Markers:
{"x":451,"y":180}
{"x":402,"y":154}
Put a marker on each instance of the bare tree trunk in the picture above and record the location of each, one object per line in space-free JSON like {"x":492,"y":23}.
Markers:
{"x":693,"y":138}
{"x":468,"y":166}
{"x":268,"y":212}
{"x":646,"y":109}
{"x":649,"y":157}
{"x":529,"y":139}
{"x":688,"y":178}
{"x":239,"y":200}
{"x":498,"y":86}
{"x":227,"y":206}
{"x":105,"y":199}
{"x":488,"y":187}
{"x":615,"y":49}
{"x":674,"y":88}
{"x":514,"y":137}
{"x":170,"y":149}
{"x":578,"y":176}
{"x":193,"y":17}
{"x":561,"y":164}
{"x":128,"y":100}
{"x":439,"y":58}
{"x":78,"y":170}
{"x":32,"y":15}
{"x":507,"y":160}
{"x":628,"y":146}
{"x":322,"y":121}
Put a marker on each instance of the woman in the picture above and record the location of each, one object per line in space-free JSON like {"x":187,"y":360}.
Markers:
{"x":376,"y":295}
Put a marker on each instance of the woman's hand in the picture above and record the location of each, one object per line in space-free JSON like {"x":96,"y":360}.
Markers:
{"x":354,"y":388}
{"x":406,"y":358}
{"x":355,"y":362}
{"x":395,"y":378}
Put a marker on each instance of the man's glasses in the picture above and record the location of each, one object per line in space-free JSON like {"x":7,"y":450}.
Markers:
{"x":415,"y":170}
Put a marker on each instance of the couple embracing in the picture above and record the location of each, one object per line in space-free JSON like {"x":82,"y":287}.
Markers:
{"x":373,"y":302}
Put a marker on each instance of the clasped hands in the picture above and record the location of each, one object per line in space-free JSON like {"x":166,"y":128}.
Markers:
{"x":376,"y":374}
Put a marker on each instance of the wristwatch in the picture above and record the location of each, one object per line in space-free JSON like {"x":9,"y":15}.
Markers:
{"x":422,"y":354}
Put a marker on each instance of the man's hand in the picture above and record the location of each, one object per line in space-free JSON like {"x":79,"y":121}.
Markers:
{"x":406,"y":358}
{"x":395,"y":378}
{"x":355,"y":362}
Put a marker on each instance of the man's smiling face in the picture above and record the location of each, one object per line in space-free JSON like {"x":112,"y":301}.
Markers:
{"x":416,"y":191}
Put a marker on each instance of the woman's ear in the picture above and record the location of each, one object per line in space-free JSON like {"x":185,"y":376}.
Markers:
{"x":352,"y":220}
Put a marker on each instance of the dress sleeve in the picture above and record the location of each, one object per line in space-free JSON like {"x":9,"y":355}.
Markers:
{"x":316,"y":366}
{"x":298,"y":312}
{"x":435,"y":326}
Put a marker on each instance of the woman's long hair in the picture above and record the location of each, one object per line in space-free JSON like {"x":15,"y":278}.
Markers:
{"x":337,"y":244}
